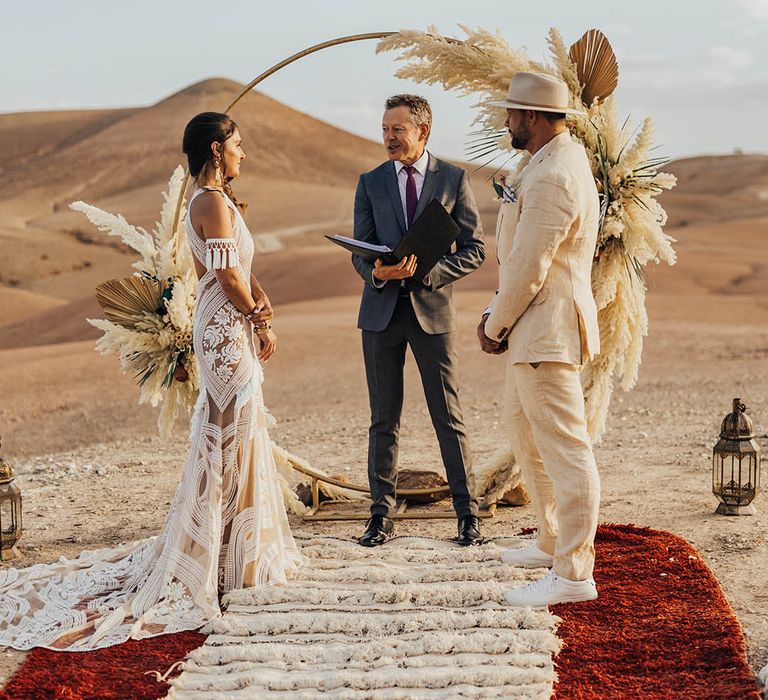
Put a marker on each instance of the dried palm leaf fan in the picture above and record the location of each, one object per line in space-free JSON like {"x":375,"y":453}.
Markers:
{"x":126,"y":300}
{"x":598,"y":73}
{"x":596,"y":66}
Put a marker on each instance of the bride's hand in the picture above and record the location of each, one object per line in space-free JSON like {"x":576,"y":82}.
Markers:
{"x":267,"y":344}
{"x":265,"y":313}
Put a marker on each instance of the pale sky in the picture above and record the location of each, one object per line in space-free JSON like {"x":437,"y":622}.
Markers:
{"x":698,"y":67}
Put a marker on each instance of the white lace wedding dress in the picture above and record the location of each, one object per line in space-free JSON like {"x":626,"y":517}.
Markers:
{"x":226,"y":529}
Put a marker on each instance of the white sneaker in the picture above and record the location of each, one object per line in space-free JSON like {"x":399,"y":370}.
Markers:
{"x":530,"y":557}
{"x":550,"y":590}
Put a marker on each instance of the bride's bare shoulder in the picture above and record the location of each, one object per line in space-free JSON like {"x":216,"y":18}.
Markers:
{"x":207,"y":201}
{"x":210,"y":214}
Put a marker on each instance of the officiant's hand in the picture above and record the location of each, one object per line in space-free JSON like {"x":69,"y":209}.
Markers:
{"x":403,"y":270}
{"x":492,"y":347}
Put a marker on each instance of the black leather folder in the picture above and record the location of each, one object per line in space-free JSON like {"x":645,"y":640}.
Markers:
{"x":429,"y":239}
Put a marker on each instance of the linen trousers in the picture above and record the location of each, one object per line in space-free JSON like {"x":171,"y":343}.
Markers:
{"x":544,"y":413}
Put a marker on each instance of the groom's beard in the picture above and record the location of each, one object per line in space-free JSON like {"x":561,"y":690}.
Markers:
{"x":521,"y":136}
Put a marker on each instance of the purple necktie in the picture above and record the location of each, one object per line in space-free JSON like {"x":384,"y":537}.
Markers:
{"x":411,"y":198}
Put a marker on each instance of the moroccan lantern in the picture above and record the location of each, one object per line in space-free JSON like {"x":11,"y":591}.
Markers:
{"x":10,"y":513}
{"x":736,"y":464}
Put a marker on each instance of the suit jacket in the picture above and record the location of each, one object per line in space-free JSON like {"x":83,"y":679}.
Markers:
{"x":546,"y":243}
{"x":379,"y":219}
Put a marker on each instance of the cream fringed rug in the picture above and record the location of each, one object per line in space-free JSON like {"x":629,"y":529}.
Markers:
{"x":415,"y":618}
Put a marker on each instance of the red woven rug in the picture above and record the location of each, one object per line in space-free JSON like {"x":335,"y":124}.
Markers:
{"x":661,"y":628}
{"x":115,"y":673}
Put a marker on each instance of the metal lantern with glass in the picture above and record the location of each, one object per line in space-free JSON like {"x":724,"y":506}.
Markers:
{"x":736,"y":464}
{"x":10,"y":512}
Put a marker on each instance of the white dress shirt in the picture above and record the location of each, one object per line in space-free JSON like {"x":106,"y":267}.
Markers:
{"x":420,"y":171}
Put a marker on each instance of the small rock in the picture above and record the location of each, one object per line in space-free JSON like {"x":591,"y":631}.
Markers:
{"x":517,"y":496}
{"x":304,"y":491}
{"x":417,"y":479}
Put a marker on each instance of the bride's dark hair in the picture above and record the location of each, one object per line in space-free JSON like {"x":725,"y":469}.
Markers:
{"x":201,"y":131}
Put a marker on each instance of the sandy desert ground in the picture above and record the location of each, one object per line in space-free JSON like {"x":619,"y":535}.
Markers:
{"x":90,"y":464}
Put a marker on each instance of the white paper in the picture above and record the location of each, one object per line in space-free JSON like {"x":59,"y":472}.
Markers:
{"x":362,"y":244}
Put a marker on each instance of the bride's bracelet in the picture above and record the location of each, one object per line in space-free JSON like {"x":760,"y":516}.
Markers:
{"x":260,"y":328}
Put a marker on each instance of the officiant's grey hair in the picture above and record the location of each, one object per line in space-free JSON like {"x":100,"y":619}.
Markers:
{"x":421,"y":112}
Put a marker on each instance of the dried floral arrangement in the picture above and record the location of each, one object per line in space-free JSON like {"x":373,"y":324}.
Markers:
{"x":631,"y":228}
{"x":149,"y":315}
{"x":149,"y":320}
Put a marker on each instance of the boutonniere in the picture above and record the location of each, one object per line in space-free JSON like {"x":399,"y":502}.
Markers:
{"x":505,"y":191}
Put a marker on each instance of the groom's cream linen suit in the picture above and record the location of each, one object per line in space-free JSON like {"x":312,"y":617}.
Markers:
{"x":545,"y":310}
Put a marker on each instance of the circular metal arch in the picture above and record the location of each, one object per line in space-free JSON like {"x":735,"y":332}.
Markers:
{"x":271,"y":71}
{"x":314,"y":475}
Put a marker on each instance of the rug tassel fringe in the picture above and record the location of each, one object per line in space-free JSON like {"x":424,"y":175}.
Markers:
{"x":163,"y":677}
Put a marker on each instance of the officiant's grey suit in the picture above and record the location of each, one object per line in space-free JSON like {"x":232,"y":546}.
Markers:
{"x":397,"y":315}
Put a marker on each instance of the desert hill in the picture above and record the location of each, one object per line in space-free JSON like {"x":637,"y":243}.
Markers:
{"x":299,"y":179}
{"x":719,"y":215}
{"x":300,"y":169}
{"x":714,"y":189}
{"x":110,"y":153}
{"x":29,"y":136}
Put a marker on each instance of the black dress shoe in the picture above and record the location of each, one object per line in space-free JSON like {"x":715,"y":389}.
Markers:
{"x":379,"y":530}
{"x":469,"y":531}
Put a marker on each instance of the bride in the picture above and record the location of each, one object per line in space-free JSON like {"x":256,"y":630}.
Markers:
{"x":227,"y":526}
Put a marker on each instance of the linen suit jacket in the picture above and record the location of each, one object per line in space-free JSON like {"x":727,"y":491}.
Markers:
{"x":379,"y":219}
{"x":546,"y":241}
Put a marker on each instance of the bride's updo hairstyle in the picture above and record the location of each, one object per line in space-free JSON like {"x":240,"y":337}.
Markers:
{"x":203,"y":130}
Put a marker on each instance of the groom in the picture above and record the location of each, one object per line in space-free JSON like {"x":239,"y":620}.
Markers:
{"x":545,"y":319}
{"x":398,"y":311}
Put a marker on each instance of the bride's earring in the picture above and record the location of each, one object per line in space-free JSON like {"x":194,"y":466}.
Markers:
{"x":217,"y":172}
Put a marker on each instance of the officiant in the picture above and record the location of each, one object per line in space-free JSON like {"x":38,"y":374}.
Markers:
{"x":398,"y":310}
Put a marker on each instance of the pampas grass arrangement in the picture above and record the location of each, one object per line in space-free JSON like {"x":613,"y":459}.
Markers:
{"x":628,"y":179}
{"x":149,"y":315}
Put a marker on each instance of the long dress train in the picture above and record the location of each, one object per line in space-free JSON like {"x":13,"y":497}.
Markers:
{"x":226,"y":529}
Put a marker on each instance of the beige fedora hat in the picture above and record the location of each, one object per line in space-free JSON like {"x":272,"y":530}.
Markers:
{"x":538,"y":91}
